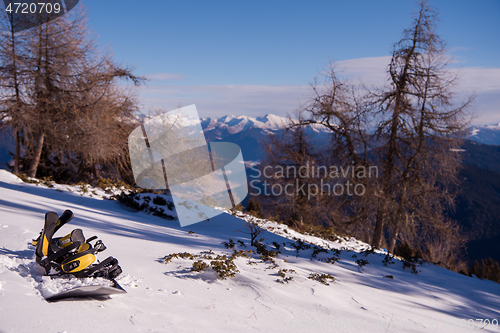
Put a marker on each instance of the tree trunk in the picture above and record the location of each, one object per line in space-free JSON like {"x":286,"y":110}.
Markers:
{"x":367,"y":236}
{"x":18,"y":152}
{"x":379,"y":229}
{"x":97,"y":174}
{"x":394,"y":238}
{"x":37,"y":152}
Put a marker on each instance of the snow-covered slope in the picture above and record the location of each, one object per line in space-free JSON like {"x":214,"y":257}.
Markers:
{"x":172,"y":298}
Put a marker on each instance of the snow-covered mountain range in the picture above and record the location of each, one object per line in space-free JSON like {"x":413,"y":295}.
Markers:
{"x":220,"y":128}
{"x":247,"y":132}
{"x":486,"y":134}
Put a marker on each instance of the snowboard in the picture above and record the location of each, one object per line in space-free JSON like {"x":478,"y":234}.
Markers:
{"x":88,"y":292}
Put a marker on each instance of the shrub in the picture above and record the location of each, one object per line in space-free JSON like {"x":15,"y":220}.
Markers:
{"x":405,"y":250}
{"x":160,"y":212}
{"x":336,"y":252}
{"x":236,"y":210}
{"x":184,"y":255}
{"x":265,"y":254}
{"x":362,"y":262}
{"x":241,"y":253}
{"x":488,"y":269}
{"x":48,"y":181}
{"x":224,"y":266}
{"x":253,"y":230}
{"x":388,"y":260}
{"x":368,"y":252}
{"x":106,"y":184}
{"x":198,"y":266}
{"x":411,"y":264}
{"x":160,"y":201}
{"x":323,"y":278}
{"x":285,"y":279}
{"x":27,"y":179}
{"x":300,"y":245}
{"x":254,"y":208}
{"x":132,"y":200}
{"x":331,"y":260}
{"x":318,"y":250}
{"x":227,"y":245}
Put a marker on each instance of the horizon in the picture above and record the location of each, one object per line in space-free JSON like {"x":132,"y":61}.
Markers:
{"x":259,"y":58}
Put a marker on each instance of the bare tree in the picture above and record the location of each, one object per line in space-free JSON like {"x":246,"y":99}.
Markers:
{"x":12,"y":97}
{"x":418,"y":131}
{"x":343,"y":110}
{"x":73,"y":112}
{"x":284,"y":154}
{"x":252,"y":229}
{"x":410,"y":129}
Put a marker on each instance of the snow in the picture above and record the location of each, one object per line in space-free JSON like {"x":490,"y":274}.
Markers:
{"x":235,"y":124}
{"x":172,"y":298}
{"x":228,"y":125}
{"x":486,"y":134}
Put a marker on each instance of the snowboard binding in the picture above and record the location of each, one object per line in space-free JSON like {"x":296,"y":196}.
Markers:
{"x":71,"y":255}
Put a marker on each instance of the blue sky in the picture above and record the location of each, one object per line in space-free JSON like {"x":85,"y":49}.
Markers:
{"x":257,"y":57}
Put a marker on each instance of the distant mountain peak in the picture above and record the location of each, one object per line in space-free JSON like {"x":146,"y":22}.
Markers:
{"x":234,"y":124}
{"x":486,"y":134}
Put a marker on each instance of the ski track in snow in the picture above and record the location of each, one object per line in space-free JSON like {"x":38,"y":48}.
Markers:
{"x":171,"y":298}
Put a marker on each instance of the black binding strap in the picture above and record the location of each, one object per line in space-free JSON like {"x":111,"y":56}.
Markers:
{"x":91,"y":239}
{"x":44,"y":262}
{"x":95,"y":268}
{"x":66,"y":216}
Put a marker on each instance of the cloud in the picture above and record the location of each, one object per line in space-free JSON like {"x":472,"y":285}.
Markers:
{"x":480,"y":79}
{"x":255,"y":100}
{"x":367,"y":70}
{"x":220,"y":100}
{"x":164,"y":76}
{"x":484,"y":82}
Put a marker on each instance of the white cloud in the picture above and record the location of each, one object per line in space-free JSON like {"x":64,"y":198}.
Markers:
{"x":212,"y":101}
{"x":484,"y":82}
{"x":367,"y":70}
{"x":254,"y":100}
{"x":480,"y":79}
{"x":373,"y":70}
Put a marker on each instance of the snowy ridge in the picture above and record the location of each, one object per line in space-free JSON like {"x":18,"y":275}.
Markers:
{"x":229,"y":125}
{"x":486,"y":134}
{"x":235,"y":124}
{"x":366,"y":296}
